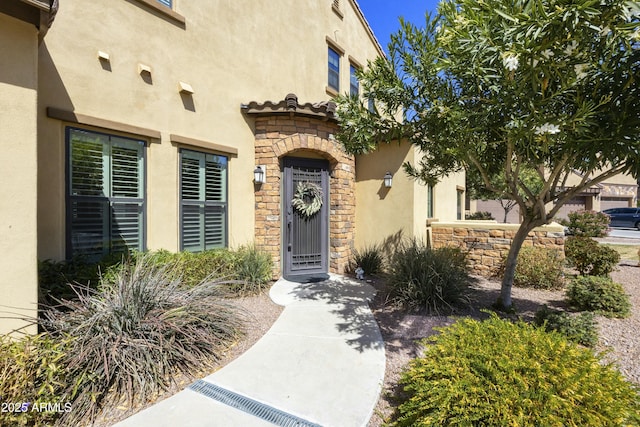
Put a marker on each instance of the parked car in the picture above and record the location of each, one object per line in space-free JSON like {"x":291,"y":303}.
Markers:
{"x":624,"y":217}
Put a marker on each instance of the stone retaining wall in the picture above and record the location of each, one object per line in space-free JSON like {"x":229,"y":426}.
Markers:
{"x":488,"y":242}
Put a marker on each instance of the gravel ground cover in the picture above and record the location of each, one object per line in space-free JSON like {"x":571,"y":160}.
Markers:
{"x":402,"y":331}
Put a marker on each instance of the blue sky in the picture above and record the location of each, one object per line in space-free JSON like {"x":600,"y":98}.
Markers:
{"x":383,"y":15}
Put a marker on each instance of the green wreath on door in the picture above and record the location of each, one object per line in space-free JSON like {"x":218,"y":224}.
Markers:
{"x":307,"y":199}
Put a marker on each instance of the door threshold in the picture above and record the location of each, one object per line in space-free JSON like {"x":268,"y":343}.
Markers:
{"x":307,"y":278}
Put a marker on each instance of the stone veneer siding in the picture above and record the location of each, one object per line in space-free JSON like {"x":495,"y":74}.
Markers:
{"x":283,"y":135}
{"x":488,"y":242}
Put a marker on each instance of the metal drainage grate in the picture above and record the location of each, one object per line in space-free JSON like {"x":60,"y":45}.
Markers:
{"x":250,"y":406}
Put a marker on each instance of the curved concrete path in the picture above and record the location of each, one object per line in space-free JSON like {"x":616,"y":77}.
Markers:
{"x":322,"y":361}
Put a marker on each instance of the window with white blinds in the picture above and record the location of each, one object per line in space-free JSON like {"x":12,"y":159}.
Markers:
{"x":105,"y":212}
{"x":203,"y":201}
{"x":167,"y":3}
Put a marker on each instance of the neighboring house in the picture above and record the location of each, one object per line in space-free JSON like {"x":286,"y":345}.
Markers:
{"x":618,"y":191}
{"x":152,"y":117}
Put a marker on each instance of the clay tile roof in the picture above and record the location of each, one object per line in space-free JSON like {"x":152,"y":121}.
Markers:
{"x":289,"y":105}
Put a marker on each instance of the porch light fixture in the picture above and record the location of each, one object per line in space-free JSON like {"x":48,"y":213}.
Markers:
{"x":388,"y":180}
{"x":259,"y":174}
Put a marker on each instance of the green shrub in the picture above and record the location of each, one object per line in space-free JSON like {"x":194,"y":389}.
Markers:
{"x":588,"y":224}
{"x":55,"y":277}
{"x":599,"y":294}
{"x":539,"y":268}
{"x":589,"y":257}
{"x":480,"y":216}
{"x":133,"y":334}
{"x":580,"y":328}
{"x":370,"y":258}
{"x":32,"y":371}
{"x":498,"y":373}
{"x":421,"y":278}
{"x":252,"y":270}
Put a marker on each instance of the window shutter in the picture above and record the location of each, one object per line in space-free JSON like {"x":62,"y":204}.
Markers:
{"x":89,"y":227}
{"x":126,"y":169}
{"x":216,"y":182}
{"x":126,"y":227}
{"x":106,"y":191}
{"x":215,"y":227}
{"x":204,"y":197}
{"x":190,"y":177}
{"x":192,"y":228}
{"x":88,"y":164}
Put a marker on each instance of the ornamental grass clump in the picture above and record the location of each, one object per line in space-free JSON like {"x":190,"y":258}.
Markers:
{"x":426,"y":279}
{"x":133,"y":333}
{"x":369,"y":258}
{"x":499,"y":373}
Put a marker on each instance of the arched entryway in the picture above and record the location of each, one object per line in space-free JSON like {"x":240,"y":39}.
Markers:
{"x":296,"y":144}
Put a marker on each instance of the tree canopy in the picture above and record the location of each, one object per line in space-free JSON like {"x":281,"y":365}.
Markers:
{"x":503,"y":86}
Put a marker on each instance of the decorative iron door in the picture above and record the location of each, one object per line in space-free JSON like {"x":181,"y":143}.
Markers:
{"x":306,"y":233}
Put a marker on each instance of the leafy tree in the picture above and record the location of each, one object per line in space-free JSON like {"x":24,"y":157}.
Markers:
{"x":502,"y":86}
{"x":499,"y":189}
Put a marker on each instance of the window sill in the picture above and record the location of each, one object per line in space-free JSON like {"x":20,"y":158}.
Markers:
{"x":331,"y":91}
{"x":164,"y":10}
{"x":337,"y":11}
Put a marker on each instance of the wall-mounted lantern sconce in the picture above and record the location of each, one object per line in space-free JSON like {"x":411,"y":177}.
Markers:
{"x":388,"y":180}
{"x":260,"y":174}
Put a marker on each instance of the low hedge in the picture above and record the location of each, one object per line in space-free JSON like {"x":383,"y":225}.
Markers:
{"x":499,"y":373}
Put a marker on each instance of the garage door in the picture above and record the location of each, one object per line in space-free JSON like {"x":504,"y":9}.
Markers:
{"x":614,"y":202}
{"x":575,"y":204}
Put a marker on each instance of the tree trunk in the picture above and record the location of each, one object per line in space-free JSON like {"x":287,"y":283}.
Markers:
{"x":510,"y":264}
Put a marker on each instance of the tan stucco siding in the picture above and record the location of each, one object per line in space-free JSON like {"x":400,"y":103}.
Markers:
{"x":445,"y":195}
{"x":382,"y":212}
{"x":230,"y":52}
{"x":18,"y":173}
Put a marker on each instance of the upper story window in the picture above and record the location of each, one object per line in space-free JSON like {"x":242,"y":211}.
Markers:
{"x":354,"y":84}
{"x":334,"y":70}
{"x":168,"y":3}
{"x":106,"y":193}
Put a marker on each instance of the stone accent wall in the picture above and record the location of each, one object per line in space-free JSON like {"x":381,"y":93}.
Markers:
{"x":488,"y":242}
{"x":283,"y":135}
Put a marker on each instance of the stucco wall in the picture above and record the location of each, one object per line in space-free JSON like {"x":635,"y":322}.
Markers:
{"x":230,"y":52}
{"x":488,"y":242}
{"x":18,"y":173}
{"x":402,"y":209}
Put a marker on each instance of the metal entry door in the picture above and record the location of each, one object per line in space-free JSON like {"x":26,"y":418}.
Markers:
{"x":305,"y":238}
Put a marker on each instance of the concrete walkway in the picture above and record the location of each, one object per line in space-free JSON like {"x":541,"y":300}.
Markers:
{"x":321,"y":363}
